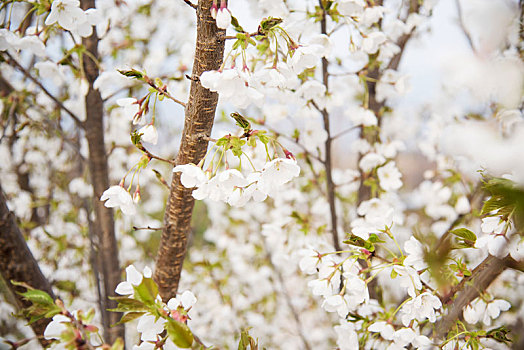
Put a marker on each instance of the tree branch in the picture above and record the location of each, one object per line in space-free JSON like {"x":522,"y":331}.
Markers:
{"x":330,"y":186}
{"x":18,"y":264}
{"x":199,"y":118}
{"x":103,"y":224}
{"x":470,"y":288}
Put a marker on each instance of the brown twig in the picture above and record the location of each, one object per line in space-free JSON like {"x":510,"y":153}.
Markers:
{"x":330,"y":186}
{"x":190,"y":4}
{"x":148,"y":228}
{"x":163,"y":91}
{"x":152,"y":156}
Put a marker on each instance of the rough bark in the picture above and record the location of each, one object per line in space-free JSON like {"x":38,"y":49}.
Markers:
{"x":103,"y":224}
{"x":199,"y":117}
{"x":18,"y":264}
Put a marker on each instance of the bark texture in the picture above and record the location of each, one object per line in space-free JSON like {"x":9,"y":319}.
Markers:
{"x":106,"y":245}
{"x":199,"y":117}
{"x":18,"y":264}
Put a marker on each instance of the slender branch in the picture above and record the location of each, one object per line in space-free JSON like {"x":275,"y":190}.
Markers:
{"x":33,"y":79}
{"x":336,"y":136}
{"x":163,"y":91}
{"x":229,"y":37}
{"x":103,"y":224}
{"x":330,"y":186}
{"x":468,"y":289}
{"x":152,"y":156}
{"x":148,"y":228}
{"x":190,"y":4}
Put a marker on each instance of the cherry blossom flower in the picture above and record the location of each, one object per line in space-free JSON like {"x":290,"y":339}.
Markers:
{"x":149,"y":134}
{"x":493,"y":244}
{"x":70,"y":16}
{"x":389,"y":177}
{"x":55,"y":328}
{"x":276,"y":173}
{"x":117,"y":196}
{"x":421,"y":307}
{"x":370,"y":161}
{"x":347,"y":338}
{"x":386,"y":330}
{"x":478,"y":310}
{"x":408,"y":279}
{"x":415,"y":254}
{"x":351,"y":7}
{"x":187,"y":299}
{"x":233,"y":86}
{"x":131,"y":108}
{"x":304,"y":57}
{"x":493,"y":225}
{"x":223,"y":17}
{"x":150,"y":327}
{"x":133,"y":278}
{"x":310,"y":260}
{"x":192,"y":175}
{"x":372,"y":42}
{"x":362,"y":116}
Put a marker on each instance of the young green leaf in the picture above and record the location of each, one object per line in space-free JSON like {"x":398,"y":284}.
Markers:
{"x":179,"y":333}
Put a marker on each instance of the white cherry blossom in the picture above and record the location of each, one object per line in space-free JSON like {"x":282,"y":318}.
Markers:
{"x":389,"y":177}
{"x":55,"y":328}
{"x":192,"y":175}
{"x":386,"y":330}
{"x":149,"y":134}
{"x":421,"y":307}
{"x":133,"y":278}
{"x":223,"y":18}
{"x":150,"y":327}
{"x":117,"y":196}
{"x":370,"y":161}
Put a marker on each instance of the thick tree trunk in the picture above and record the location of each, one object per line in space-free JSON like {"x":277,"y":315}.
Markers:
{"x":104,"y":223}
{"x":199,"y":117}
{"x":18,"y":264}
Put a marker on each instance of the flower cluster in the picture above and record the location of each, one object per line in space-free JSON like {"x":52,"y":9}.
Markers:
{"x":71,"y":17}
{"x":155,"y":316}
{"x":232,"y":187}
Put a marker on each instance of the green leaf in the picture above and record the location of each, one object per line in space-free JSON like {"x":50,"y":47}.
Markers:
{"x":128,"y":304}
{"x":236,"y":25}
{"x":236,"y":44}
{"x":464,"y":233}
{"x":268,"y":23}
{"x":263,"y":138}
{"x":136,"y":138}
{"x":147,"y":291}
{"x":251,"y":141}
{"x":241,"y":121}
{"x":499,"y":334}
{"x":179,"y":333}
{"x":38,"y":297}
{"x":359,"y":242}
{"x":132,"y":73}
{"x":128,"y":317}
